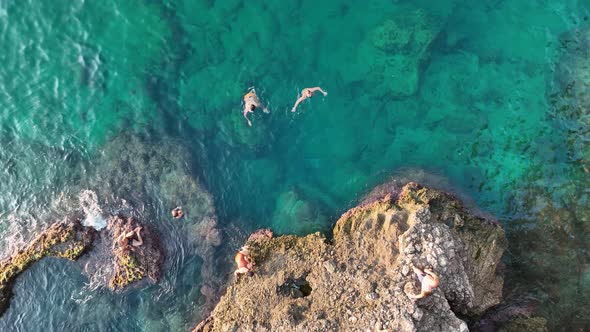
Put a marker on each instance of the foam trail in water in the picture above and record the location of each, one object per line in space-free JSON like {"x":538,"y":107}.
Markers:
{"x":94,"y":215}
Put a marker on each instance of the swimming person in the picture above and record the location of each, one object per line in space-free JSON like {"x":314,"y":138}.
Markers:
{"x":177,"y":212}
{"x":307,"y":93}
{"x":251,"y":102}
{"x":244,"y":262}
{"x":133,"y":235}
{"x":429,"y":281}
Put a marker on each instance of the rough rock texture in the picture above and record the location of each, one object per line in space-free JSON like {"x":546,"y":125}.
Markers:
{"x":63,"y":239}
{"x":142,"y":262}
{"x":361,"y":281}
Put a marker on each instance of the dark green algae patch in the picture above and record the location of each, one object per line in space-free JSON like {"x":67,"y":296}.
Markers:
{"x":64,"y":239}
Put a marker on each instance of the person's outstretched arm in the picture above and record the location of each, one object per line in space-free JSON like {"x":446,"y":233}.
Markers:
{"x":299,"y":100}
{"x":139,"y":241}
{"x":246,"y":117}
{"x":317,"y":88}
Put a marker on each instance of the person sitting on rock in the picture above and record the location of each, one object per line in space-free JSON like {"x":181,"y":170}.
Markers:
{"x":251,"y":102}
{"x":244,"y":261}
{"x":428,"y":280}
{"x":307,"y":93}
{"x":133,"y":235}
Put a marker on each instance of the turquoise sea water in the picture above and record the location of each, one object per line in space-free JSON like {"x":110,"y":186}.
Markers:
{"x":474,"y":96}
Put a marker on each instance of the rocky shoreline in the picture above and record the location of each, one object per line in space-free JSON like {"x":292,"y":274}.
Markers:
{"x":69,"y":239}
{"x":362,"y":278}
{"x":64,"y":239}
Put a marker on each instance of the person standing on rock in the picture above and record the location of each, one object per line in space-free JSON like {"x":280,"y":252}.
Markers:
{"x":307,"y":93}
{"x":428,"y":280}
{"x":244,"y":262}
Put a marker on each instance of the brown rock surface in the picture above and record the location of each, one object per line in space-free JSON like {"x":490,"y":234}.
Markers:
{"x":361,"y":281}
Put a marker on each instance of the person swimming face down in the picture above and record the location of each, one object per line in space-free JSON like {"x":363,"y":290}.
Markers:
{"x":305,"y":94}
{"x":251,"y":102}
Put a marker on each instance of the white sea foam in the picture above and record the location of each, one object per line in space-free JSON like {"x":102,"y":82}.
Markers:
{"x":94,"y":214}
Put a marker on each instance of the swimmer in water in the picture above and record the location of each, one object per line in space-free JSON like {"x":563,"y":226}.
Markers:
{"x":307,"y":93}
{"x":244,"y":262}
{"x":177,"y":212}
{"x":428,"y":280}
{"x":251,"y":102}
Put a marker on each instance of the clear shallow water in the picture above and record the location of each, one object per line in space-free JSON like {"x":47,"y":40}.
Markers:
{"x":471,"y":106}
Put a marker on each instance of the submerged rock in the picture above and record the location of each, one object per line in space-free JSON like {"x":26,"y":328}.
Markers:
{"x":295,"y":215}
{"x":363,"y":279}
{"x":570,"y":92}
{"x":394,"y":50}
{"x":63,"y":239}
{"x":147,"y":179}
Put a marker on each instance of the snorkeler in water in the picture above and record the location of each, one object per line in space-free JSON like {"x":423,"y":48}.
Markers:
{"x":307,"y":93}
{"x":251,"y":102}
{"x":177,"y":212}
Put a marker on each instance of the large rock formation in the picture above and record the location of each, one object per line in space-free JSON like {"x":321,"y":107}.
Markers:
{"x":362,"y":279}
{"x":63,"y":239}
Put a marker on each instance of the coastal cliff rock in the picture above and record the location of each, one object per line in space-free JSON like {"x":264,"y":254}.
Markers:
{"x":361,"y":280}
{"x":63,"y":239}
{"x":138,"y":263}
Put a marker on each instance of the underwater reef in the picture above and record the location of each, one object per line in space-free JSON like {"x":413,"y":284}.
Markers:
{"x":361,"y":279}
{"x":64,"y":239}
{"x":132,"y":174}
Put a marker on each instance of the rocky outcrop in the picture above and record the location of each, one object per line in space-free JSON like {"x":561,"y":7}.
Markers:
{"x":361,"y":280}
{"x":63,"y":239}
{"x":70,"y":239}
{"x":134,"y":264}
